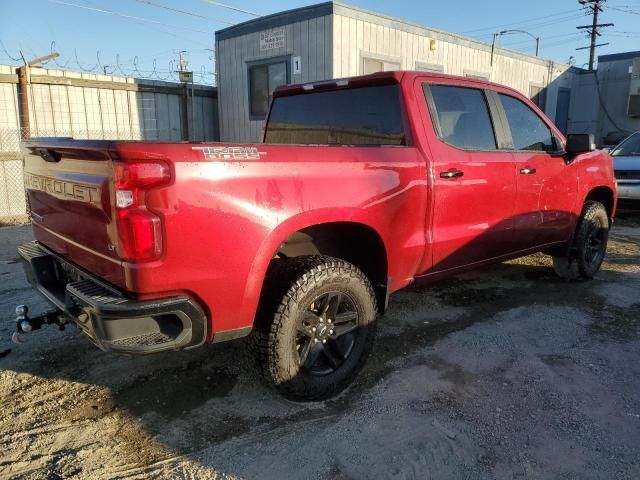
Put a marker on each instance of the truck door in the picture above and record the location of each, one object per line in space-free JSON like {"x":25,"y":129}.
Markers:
{"x":474,"y":185}
{"x":547,"y":185}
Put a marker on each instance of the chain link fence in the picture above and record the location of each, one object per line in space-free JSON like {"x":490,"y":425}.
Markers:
{"x":14,"y":204}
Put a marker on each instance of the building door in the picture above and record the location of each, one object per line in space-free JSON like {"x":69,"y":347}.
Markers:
{"x":562,"y":109}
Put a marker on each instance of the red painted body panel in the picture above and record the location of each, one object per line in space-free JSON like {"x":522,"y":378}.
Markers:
{"x":223,"y":220}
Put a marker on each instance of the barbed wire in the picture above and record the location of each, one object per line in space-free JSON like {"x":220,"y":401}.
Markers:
{"x":8,"y":54}
{"x":118,"y":67}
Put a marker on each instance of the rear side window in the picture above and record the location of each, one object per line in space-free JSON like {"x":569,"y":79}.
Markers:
{"x":528,"y":130}
{"x":356,"y":116}
{"x":463,"y":117}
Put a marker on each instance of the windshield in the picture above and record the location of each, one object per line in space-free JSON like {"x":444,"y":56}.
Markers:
{"x":354,"y":116}
{"x":629,"y":147}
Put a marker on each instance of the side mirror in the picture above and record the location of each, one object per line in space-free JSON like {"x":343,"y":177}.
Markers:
{"x":580,"y":143}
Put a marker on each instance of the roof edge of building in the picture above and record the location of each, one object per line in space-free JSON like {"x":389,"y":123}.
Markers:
{"x":612,"y":57}
{"x":274,"y":20}
{"x":338,"y":8}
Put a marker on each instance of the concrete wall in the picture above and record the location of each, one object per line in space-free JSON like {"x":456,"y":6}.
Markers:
{"x":82,"y":105}
{"x":609,"y":87}
{"x":614,"y":81}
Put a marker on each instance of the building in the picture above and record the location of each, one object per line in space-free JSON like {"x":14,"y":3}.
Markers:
{"x":333,"y":40}
{"x":607,"y":101}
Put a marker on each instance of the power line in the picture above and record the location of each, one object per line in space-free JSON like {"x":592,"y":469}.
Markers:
{"x":184,"y":12}
{"x":130,"y":17}
{"x":626,"y":10}
{"x":230,"y":7}
{"x":540,"y":25}
{"x":548,"y":37}
{"x":521,"y":22}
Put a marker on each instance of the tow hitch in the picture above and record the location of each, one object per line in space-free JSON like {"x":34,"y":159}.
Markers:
{"x":25,"y":324}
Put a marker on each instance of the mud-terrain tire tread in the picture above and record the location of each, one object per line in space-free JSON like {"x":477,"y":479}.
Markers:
{"x":573,"y":267}
{"x":287,"y":282}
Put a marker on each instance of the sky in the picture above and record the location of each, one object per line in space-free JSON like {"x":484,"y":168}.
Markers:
{"x":142,"y":37}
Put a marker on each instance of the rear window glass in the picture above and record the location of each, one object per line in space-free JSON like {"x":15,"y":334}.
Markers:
{"x":463,"y":117}
{"x":356,"y":116}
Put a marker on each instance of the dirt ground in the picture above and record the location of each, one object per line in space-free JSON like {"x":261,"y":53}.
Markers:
{"x":504,"y":373}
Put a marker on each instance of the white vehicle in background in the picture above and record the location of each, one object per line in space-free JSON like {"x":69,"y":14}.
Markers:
{"x":626,"y":163}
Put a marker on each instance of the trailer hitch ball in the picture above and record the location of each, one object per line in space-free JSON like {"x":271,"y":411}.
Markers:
{"x":25,"y":326}
{"x":22,"y":322}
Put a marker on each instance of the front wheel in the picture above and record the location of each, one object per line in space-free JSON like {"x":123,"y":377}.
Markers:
{"x":316,"y":326}
{"x":589,"y":245}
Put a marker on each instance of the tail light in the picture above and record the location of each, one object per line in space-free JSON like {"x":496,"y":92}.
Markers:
{"x":139,"y":229}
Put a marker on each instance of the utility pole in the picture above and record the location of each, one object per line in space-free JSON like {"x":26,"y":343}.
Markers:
{"x":596,"y":7}
{"x":183,"y":76}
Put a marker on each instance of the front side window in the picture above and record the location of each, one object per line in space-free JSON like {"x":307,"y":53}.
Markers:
{"x":263,"y":80}
{"x":463,"y":117}
{"x":353,"y":116}
{"x":628,"y":148}
{"x":528,"y":131}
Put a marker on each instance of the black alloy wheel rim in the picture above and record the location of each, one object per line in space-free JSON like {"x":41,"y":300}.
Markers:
{"x":595,"y":244}
{"x":327,"y":333}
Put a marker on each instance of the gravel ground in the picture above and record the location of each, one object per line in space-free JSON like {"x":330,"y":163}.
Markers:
{"x":504,"y":373}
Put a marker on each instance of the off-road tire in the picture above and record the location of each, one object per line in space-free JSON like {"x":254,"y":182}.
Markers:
{"x":577,"y":265}
{"x":291,"y":286}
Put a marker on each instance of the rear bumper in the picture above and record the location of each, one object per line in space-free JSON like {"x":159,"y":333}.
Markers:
{"x":111,"y":320}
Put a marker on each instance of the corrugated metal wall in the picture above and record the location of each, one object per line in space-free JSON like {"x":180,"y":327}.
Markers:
{"x":82,"y":105}
{"x":309,"y":39}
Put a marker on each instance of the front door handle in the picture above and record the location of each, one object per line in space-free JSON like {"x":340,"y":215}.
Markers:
{"x":451,"y":174}
{"x":527,"y":171}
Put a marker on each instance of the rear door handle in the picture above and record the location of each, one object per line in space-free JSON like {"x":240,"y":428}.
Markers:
{"x":451,"y":174}
{"x":527,"y":171}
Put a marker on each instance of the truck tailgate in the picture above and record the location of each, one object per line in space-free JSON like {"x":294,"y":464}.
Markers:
{"x":68,"y":185}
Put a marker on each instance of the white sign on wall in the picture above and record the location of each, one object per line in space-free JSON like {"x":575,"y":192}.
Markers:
{"x":272,"y":39}
{"x":296,"y":65}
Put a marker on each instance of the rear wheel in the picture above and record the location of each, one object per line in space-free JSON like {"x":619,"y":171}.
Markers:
{"x":589,"y":245}
{"x":316,"y":326}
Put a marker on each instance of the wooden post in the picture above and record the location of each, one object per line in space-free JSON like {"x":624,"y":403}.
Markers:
{"x":24,"y":102}
{"x":185,"y":112}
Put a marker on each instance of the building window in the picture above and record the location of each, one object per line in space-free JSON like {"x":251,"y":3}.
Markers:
{"x":263,"y":80}
{"x":374,"y":65}
{"x":429,"y":67}
{"x":538,"y":95}
{"x":476,"y":75}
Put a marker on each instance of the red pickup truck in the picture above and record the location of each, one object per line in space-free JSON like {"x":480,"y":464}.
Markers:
{"x":362,"y":186}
